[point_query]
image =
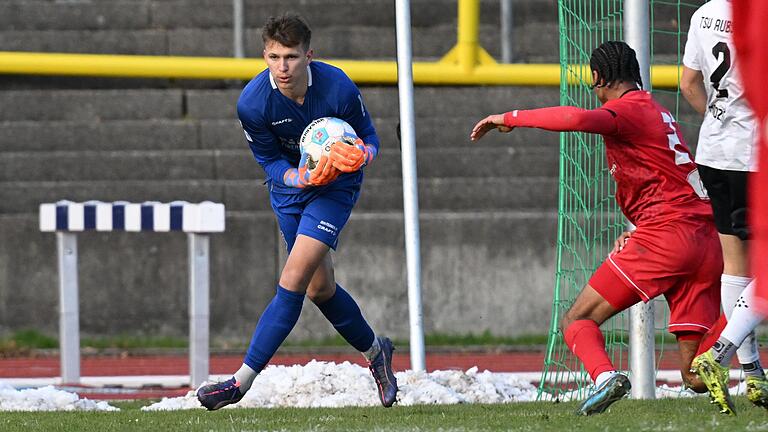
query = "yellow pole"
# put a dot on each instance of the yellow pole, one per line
(362, 72)
(469, 21)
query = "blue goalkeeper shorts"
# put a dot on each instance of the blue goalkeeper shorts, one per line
(319, 212)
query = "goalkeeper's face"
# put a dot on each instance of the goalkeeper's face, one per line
(288, 65)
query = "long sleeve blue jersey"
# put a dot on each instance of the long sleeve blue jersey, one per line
(273, 123)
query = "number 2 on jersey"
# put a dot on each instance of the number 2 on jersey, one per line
(682, 157)
(722, 68)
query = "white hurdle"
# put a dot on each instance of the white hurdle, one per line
(67, 218)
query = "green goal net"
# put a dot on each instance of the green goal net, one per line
(588, 218)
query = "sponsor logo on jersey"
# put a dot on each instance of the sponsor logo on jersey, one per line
(279, 122)
(289, 144)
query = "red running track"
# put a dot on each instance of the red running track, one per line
(38, 367)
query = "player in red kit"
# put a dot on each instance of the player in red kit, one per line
(674, 249)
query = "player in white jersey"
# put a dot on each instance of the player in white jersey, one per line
(725, 156)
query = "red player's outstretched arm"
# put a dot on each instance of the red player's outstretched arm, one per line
(564, 118)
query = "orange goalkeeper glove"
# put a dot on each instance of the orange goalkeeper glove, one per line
(302, 176)
(350, 158)
(324, 172)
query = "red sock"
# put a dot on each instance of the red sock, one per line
(586, 341)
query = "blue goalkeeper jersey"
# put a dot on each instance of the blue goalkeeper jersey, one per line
(273, 123)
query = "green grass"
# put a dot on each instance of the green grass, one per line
(132, 342)
(29, 339)
(23, 341)
(694, 415)
(437, 339)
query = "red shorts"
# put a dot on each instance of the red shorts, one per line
(682, 260)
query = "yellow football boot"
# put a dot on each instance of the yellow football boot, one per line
(757, 390)
(715, 377)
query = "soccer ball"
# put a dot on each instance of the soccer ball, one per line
(318, 136)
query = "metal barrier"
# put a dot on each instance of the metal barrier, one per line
(197, 220)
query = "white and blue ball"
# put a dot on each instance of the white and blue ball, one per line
(320, 134)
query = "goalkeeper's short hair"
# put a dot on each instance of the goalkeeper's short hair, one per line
(290, 30)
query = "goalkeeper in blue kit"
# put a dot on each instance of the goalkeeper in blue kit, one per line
(311, 206)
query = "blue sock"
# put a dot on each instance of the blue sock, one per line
(342, 311)
(275, 324)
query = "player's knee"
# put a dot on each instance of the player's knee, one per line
(566, 321)
(319, 293)
(294, 280)
(572, 315)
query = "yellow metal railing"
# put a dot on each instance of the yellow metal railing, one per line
(467, 63)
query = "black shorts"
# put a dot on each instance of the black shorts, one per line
(727, 192)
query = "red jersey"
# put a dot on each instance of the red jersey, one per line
(655, 175)
(656, 178)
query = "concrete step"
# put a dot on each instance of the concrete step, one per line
(325, 13)
(90, 105)
(431, 133)
(122, 42)
(239, 165)
(202, 14)
(534, 42)
(463, 194)
(350, 42)
(75, 15)
(449, 132)
(164, 134)
(150, 134)
(140, 104)
(446, 194)
(111, 165)
(436, 102)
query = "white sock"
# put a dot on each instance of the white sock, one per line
(731, 288)
(603, 377)
(373, 351)
(245, 376)
(744, 318)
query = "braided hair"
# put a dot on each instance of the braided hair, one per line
(615, 61)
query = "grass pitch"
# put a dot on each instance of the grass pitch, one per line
(694, 414)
